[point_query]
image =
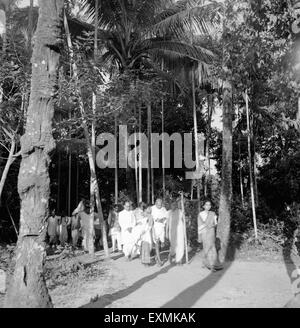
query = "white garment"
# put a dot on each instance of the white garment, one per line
(116, 239)
(126, 221)
(159, 227)
(146, 233)
(176, 234)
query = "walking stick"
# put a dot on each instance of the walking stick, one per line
(184, 227)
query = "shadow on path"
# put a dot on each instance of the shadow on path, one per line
(108, 299)
(190, 296)
(185, 299)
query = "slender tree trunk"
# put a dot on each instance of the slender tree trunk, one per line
(91, 159)
(136, 161)
(90, 241)
(27, 286)
(58, 182)
(140, 159)
(250, 165)
(163, 148)
(151, 159)
(69, 174)
(241, 174)
(255, 170)
(195, 131)
(77, 180)
(116, 160)
(12, 221)
(207, 143)
(223, 229)
(163, 141)
(8, 164)
(149, 153)
(69, 182)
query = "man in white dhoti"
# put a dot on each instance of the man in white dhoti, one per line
(127, 222)
(159, 214)
(175, 233)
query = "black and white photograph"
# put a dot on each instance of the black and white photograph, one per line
(149, 156)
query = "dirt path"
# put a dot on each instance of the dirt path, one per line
(240, 284)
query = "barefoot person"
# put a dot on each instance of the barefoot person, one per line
(87, 230)
(127, 222)
(159, 214)
(175, 233)
(114, 228)
(146, 237)
(52, 228)
(64, 221)
(75, 227)
(207, 221)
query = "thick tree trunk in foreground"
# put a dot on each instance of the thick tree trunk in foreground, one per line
(27, 287)
(223, 230)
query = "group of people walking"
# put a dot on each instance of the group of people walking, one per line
(136, 232)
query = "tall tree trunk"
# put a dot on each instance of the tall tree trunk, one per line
(77, 180)
(195, 131)
(135, 160)
(163, 143)
(91, 159)
(149, 153)
(116, 161)
(8, 164)
(69, 174)
(58, 182)
(163, 148)
(90, 241)
(255, 170)
(207, 143)
(223, 229)
(250, 165)
(241, 174)
(69, 183)
(27, 286)
(151, 159)
(140, 159)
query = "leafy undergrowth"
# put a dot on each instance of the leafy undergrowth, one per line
(66, 273)
(267, 247)
(70, 270)
(6, 253)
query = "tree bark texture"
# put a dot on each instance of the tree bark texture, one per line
(27, 286)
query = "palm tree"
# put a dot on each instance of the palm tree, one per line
(140, 35)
